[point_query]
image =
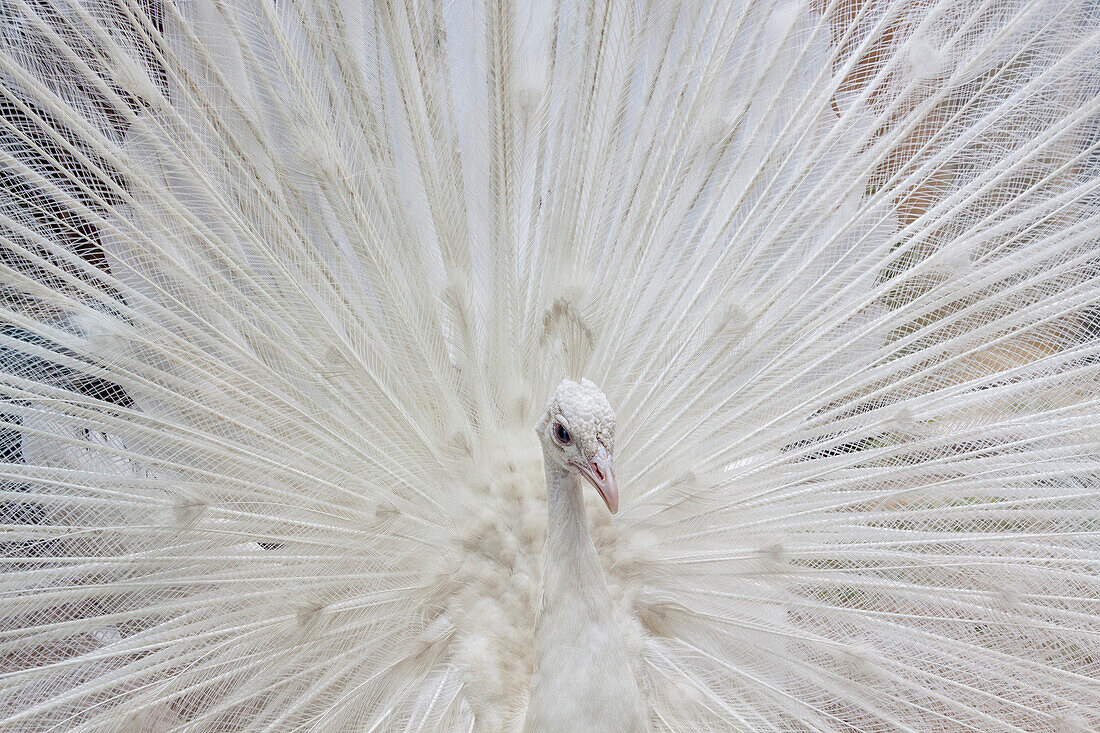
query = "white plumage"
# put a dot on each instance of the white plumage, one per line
(287, 285)
(582, 678)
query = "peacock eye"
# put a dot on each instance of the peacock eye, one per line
(562, 434)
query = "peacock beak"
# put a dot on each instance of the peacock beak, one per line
(600, 472)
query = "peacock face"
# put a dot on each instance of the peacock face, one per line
(578, 431)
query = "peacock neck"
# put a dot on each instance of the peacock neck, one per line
(582, 679)
(568, 544)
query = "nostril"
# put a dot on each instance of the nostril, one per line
(598, 471)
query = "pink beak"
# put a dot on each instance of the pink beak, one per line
(600, 472)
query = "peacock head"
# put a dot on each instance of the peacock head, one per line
(578, 431)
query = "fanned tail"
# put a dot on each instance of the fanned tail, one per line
(286, 286)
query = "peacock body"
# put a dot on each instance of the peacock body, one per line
(288, 285)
